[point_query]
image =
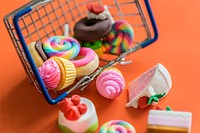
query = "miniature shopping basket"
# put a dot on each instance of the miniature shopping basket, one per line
(41, 19)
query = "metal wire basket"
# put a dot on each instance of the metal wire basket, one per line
(41, 19)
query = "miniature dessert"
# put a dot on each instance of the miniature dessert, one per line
(57, 73)
(93, 27)
(77, 115)
(97, 12)
(119, 39)
(86, 62)
(38, 46)
(96, 46)
(117, 126)
(86, 30)
(35, 54)
(61, 46)
(149, 87)
(161, 121)
(110, 83)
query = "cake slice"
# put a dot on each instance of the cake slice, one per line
(153, 84)
(162, 121)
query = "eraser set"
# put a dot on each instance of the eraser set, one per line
(61, 45)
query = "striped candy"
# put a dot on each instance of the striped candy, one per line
(61, 46)
(117, 126)
(119, 38)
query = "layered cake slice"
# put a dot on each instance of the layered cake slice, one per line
(161, 121)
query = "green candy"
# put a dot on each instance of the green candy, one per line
(93, 45)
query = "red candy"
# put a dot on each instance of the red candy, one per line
(159, 108)
(143, 102)
(72, 108)
(75, 99)
(96, 9)
(72, 113)
(64, 104)
(82, 108)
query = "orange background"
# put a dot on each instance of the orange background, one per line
(23, 110)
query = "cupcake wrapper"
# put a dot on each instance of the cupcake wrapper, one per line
(68, 73)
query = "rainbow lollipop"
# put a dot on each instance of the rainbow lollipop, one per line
(61, 46)
(119, 38)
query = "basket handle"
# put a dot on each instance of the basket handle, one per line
(155, 30)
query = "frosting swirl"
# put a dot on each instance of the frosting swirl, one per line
(110, 84)
(50, 73)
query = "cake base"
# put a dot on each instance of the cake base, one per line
(166, 129)
(91, 129)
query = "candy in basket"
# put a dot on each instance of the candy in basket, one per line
(40, 25)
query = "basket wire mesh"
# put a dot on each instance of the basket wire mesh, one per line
(41, 19)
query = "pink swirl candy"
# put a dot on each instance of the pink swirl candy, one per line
(110, 84)
(50, 73)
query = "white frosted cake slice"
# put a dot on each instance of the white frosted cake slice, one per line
(71, 121)
(161, 121)
(156, 80)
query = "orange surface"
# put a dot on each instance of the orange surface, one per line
(23, 110)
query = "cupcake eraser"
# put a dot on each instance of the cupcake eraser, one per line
(149, 87)
(110, 83)
(77, 115)
(57, 73)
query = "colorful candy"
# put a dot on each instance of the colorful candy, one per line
(119, 38)
(117, 126)
(61, 46)
(96, 46)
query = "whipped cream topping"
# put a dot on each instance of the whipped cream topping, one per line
(102, 16)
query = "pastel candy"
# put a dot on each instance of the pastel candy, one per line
(61, 46)
(110, 83)
(119, 39)
(117, 126)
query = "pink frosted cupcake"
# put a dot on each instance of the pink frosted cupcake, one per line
(50, 73)
(57, 73)
(110, 83)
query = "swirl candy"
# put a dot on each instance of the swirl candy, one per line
(119, 39)
(110, 83)
(117, 126)
(61, 46)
